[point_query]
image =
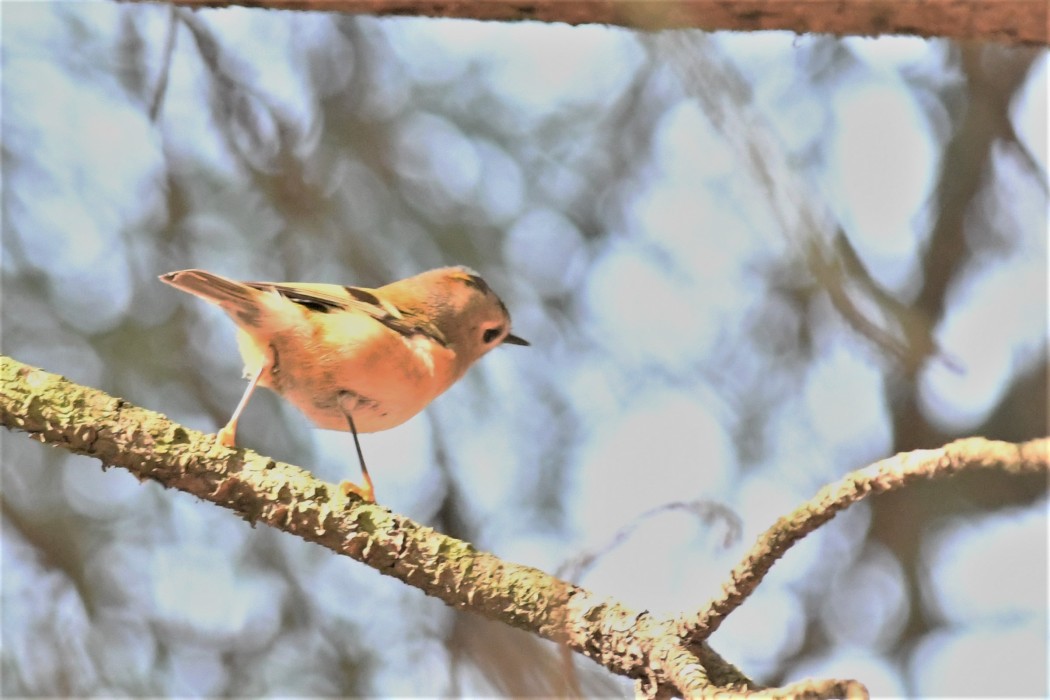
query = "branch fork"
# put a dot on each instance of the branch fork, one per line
(664, 656)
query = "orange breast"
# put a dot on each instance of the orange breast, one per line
(332, 363)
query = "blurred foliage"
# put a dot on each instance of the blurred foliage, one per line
(747, 264)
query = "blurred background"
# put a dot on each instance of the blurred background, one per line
(748, 264)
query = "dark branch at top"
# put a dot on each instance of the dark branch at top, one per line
(1011, 22)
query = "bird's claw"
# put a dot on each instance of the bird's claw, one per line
(227, 437)
(365, 492)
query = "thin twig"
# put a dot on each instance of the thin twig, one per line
(892, 474)
(164, 76)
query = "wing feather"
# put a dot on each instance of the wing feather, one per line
(325, 298)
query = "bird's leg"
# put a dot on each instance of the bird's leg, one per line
(366, 492)
(227, 436)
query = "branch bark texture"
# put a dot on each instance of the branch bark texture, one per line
(1013, 22)
(58, 412)
(663, 655)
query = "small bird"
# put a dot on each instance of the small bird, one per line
(354, 358)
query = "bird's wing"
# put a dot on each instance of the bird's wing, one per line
(326, 298)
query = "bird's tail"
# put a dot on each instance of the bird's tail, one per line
(237, 299)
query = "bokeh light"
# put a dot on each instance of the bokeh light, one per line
(729, 308)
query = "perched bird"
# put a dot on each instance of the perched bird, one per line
(354, 358)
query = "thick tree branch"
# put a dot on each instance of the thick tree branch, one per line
(1005, 21)
(663, 655)
(58, 412)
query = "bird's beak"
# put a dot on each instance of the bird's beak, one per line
(515, 340)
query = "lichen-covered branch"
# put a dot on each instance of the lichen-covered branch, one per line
(897, 472)
(1005, 21)
(665, 656)
(61, 413)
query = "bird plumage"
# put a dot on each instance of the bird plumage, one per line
(355, 358)
(384, 353)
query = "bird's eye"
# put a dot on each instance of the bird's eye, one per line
(491, 334)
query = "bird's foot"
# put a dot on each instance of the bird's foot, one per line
(365, 492)
(227, 437)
